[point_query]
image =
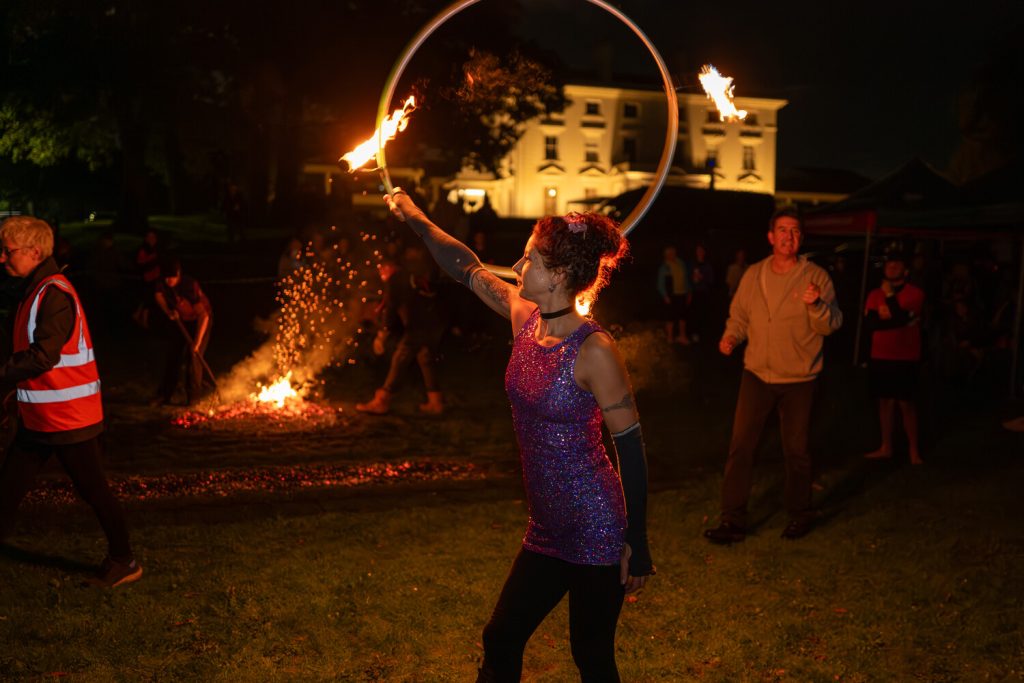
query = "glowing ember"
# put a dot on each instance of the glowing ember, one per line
(391, 126)
(719, 88)
(278, 392)
(253, 416)
(267, 480)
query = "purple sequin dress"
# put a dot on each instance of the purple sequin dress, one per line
(577, 511)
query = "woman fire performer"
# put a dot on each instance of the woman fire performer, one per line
(587, 529)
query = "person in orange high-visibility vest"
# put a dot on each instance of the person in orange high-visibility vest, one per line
(53, 371)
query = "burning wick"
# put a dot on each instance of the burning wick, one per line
(277, 393)
(719, 88)
(391, 126)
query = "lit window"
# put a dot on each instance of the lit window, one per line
(550, 201)
(629, 149)
(749, 158)
(550, 147)
(712, 158)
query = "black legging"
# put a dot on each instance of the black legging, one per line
(535, 584)
(82, 463)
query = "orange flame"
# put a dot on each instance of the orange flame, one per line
(719, 88)
(584, 302)
(277, 393)
(391, 126)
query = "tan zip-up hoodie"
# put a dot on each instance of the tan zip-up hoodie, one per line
(783, 345)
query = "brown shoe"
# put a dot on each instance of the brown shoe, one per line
(725, 533)
(112, 573)
(797, 528)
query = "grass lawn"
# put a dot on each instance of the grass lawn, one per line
(914, 574)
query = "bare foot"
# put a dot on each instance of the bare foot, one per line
(880, 454)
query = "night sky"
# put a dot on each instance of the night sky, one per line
(870, 84)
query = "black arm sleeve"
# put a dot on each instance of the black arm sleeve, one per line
(55, 323)
(629, 447)
(454, 257)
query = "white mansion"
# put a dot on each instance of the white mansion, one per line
(609, 140)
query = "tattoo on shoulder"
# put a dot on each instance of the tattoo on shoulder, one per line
(625, 403)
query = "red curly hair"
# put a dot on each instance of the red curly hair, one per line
(587, 247)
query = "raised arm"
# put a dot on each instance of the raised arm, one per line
(454, 257)
(601, 370)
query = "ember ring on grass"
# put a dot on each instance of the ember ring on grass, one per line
(671, 134)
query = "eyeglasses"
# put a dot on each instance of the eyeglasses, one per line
(7, 252)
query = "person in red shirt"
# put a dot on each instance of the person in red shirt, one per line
(893, 314)
(182, 299)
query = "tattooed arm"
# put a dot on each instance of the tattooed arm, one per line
(601, 370)
(499, 295)
(454, 257)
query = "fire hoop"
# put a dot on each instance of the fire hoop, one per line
(671, 134)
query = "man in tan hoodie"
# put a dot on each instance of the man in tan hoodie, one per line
(783, 309)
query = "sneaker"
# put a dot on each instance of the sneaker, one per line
(726, 533)
(113, 573)
(797, 528)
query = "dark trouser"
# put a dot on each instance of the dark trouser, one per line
(82, 463)
(178, 353)
(407, 349)
(535, 584)
(756, 401)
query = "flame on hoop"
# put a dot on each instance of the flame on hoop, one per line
(391, 126)
(584, 302)
(719, 88)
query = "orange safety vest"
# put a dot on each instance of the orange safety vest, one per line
(67, 396)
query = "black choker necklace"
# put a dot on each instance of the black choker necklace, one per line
(557, 314)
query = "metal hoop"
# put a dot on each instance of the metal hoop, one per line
(671, 134)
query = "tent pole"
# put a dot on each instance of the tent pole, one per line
(863, 287)
(1016, 324)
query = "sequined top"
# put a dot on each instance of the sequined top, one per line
(577, 511)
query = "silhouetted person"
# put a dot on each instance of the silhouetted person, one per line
(147, 260)
(674, 290)
(183, 301)
(412, 305)
(735, 271)
(235, 213)
(702, 282)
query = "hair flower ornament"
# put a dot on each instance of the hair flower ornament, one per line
(576, 223)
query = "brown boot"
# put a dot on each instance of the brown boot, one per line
(434, 404)
(380, 404)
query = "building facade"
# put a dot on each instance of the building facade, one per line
(609, 140)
